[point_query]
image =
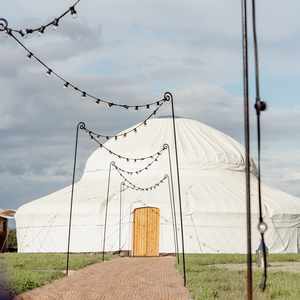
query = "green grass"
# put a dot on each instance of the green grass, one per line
(206, 281)
(27, 271)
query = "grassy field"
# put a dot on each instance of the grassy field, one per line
(206, 281)
(23, 272)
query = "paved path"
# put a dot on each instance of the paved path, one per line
(121, 278)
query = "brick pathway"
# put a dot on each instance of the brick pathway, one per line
(121, 278)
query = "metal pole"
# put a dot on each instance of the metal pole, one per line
(247, 148)
(166, 146)
(80, 125)
(120, 220)
(169, 97)
(106, 208)
(172, 212)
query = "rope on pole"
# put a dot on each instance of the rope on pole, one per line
(259, 106)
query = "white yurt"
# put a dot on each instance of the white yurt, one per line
(212, 179)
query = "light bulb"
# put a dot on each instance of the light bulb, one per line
(42, 30)
(262, 227)
(55, 23)
(73, 12)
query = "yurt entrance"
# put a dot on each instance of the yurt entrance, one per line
(146, 222)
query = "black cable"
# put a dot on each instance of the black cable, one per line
(125, 134)
(41, 29)
(138, 171)
(259, 107)
(67, 84)
(135, 159)
(134, 186)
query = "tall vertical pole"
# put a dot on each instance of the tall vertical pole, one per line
(247, 148)
(173, 221)
(166, 146)
(106, 209)
(80, 125)
(120, 219)
(168, 96)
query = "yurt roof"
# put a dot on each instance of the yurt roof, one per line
(211, 165)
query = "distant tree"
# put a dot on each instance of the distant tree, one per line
(12, 240)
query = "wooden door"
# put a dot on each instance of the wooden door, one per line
(146, 222)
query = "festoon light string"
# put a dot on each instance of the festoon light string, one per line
(125, 134)
(260, 106)
(128, 159)
(42, 29)
(136, 187)
(155, 159)
(68, 84)
(138, 171)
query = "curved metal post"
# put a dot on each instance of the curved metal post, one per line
(173, 221)
(120, 219)
(80, 125)
(247, 147)
(168, 96)
(106, 209)
(166, 146)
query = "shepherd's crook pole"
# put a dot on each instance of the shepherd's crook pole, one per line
(80, 125)
(106, 208)
(166, 146)
(168, 96)
(120, 219)
(247, 148)
(172, 212)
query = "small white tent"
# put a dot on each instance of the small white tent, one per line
(213, 197)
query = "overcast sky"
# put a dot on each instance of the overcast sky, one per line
(134, 51)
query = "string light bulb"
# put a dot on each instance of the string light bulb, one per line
(83, 95)
(66, 85)
(42, 30)
(56, 23)
(73, 12)
(49, 72)
(29, 55)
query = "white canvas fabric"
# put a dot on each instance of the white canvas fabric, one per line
(213, 197)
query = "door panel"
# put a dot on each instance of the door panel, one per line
(146, 222)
